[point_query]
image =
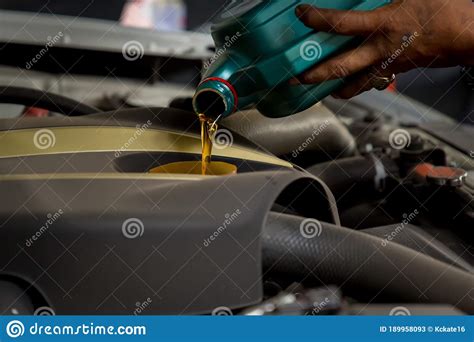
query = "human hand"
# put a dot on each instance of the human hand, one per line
(404, 35)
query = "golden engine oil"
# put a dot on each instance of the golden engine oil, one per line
(208, 128)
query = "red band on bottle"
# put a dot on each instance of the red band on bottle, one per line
(230, 86)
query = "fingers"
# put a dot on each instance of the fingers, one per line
(343, 65)
(342, 22)
(361, 82)
(357, 85)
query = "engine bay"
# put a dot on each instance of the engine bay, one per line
(88, 230)
(352, 207)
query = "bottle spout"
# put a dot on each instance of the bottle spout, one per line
(215, 97)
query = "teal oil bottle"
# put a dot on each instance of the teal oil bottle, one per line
(260, 46)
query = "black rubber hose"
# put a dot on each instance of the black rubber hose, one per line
(348, 176)
(45, 100)
(417, 239)
(14, 300)
(363, 265)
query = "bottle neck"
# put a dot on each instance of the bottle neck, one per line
(215, 97)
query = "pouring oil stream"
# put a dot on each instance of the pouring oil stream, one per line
(208, 129)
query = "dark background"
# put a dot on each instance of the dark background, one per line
(448, 90)
(199, 11)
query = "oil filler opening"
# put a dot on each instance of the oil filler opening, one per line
(210, 103)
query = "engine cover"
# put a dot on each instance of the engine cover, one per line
(88, 228)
